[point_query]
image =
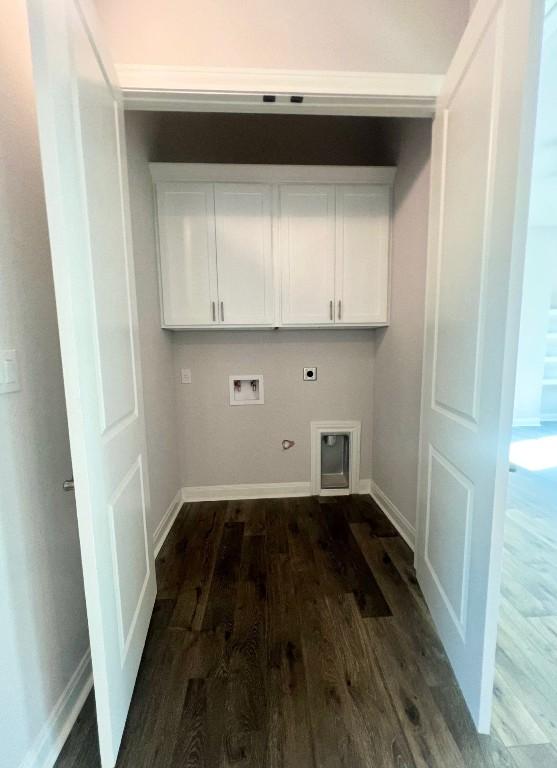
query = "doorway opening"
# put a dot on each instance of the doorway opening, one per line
(339, 549)
(525, 702)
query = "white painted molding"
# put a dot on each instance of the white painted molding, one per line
(52, 736)
(527, 422)
(228, 89)
(275, 81)
(365, 487)
(272, 174)
(254, 491)
(406, 529)
(163, 528)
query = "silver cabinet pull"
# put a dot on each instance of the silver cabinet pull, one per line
(330, 310)
(213, 311)
(68, 485)
(222, 311)
(339, 309)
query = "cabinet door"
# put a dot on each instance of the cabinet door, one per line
(188, 267)
(244, 254)
(307, 245)
(362, 253)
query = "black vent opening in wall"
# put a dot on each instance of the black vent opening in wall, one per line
(335, 461)
(269, 98)
(297, 99)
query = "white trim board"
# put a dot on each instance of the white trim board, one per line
(44, 752)
(406, 529)
(254, 491)
(527, 422)
(167, 521)
(272, 174)
(229, 89)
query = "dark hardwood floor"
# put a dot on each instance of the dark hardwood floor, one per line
(292, 634)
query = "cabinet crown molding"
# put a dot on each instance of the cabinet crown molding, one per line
(272, 174)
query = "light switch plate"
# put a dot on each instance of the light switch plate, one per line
(186, 376)
(9, 372)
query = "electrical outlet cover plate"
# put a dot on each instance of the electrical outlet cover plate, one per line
(9, 372)
(310, 374)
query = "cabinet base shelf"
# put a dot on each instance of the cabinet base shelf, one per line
(337, 327)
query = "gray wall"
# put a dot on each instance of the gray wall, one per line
(398, 356)
(155, 344)
(221, 444)
(42, 608)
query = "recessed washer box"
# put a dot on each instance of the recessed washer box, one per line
(246, 389)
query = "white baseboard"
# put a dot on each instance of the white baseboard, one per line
(167, 521)
(406, 529)
(526, 422)
(254, 491)
(365, 487)
(52, 737)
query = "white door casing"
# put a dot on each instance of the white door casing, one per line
(188, 259)
(481, 156)
(243, 222)
(307, 248)
(362, 254)
(83, 157)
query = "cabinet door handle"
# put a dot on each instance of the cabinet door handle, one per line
(339, 309)
(222, 311)
(330, 310)
(213, 311)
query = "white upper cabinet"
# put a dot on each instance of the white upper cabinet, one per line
(307, 253)
(188, 263)
(267, 246)
(362, 254)
(244, 254)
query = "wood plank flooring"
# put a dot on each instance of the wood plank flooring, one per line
(292, 634)
(525, 707)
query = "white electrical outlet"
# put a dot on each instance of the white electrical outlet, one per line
(186, 376)
(310, 374)
(9, 372)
